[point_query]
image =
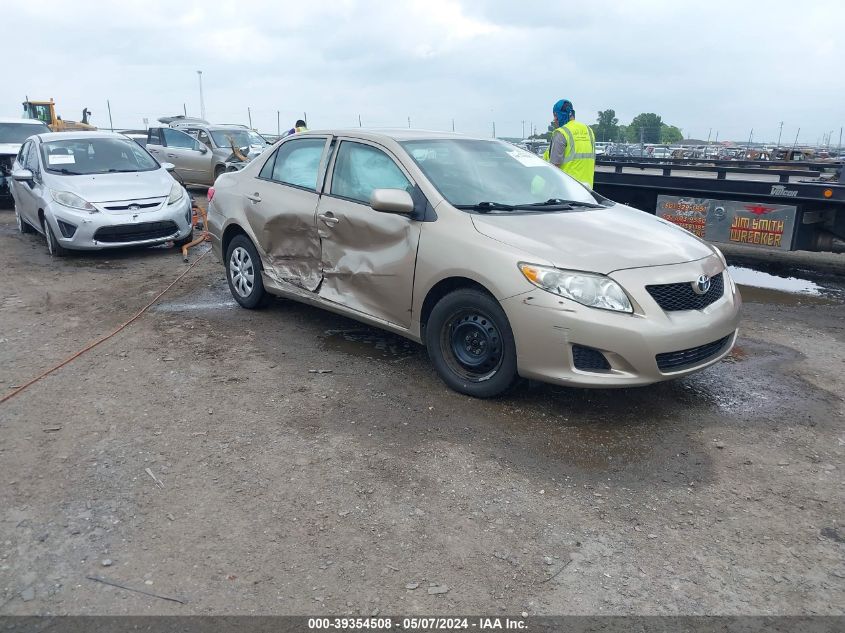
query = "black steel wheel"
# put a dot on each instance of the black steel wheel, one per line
(471, 344)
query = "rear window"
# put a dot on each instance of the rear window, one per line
(18, 132)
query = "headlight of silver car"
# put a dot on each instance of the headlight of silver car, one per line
(176, 193)
(68, 199)
(589, 289)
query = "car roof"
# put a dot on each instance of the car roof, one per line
(19, 120)
(65, 136)
(395, 134)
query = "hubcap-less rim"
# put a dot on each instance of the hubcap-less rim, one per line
(472, 345)
(242, 272)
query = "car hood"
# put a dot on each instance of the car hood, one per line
(111, 187)
(9, 149)
(596, 240)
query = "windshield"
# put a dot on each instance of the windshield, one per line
(468, 172)
(95, 156)
(242, 138)
(17, 133)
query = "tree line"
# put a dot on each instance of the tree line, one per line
(646, 127)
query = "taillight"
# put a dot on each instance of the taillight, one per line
(210, 193)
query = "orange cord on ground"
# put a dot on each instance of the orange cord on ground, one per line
(91, 346)
(204, 236)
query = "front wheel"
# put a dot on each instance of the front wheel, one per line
(243, 272)
(471, 345)
(53, 247)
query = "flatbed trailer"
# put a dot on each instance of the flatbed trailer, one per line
(796, 205)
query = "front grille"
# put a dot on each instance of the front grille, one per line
(589, 359)
(125, 206)
(680, 296)
(136, 232)
(675, 361)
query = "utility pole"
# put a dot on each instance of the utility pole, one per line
(409, 123)
(494, 129)
(305, 118)
(453, 125)
(108, 105)
(249, 116)
(359, 121)
(748, 145)
(523, 130)
(796, 138)
(202, 99)
(840, 141)
(780, 131)
(185, 109)
(642, 140)
(278, 124)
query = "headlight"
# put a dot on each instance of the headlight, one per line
(68, 199)
(595, 291)
(176, 193)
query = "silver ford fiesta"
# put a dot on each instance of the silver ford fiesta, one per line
(95, 190)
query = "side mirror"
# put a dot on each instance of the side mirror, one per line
(392, 201)
(202, 149)
(168, 166)
(22, 175)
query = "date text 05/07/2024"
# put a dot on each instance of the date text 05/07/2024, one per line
(419, 623)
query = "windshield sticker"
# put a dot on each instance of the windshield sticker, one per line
(61, 159)
(527, 158)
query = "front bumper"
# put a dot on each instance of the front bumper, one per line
(87, 225)
(546, 327)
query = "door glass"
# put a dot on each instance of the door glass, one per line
(361, 168)
(297, 162)
(154, 136)
(176, 138)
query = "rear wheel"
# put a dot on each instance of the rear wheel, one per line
(23, 227)
(243, 272)
(55, 249)
(470, 343)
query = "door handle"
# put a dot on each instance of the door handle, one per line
(152, 151)
(253, 198)
(171, 155)
(328, 218)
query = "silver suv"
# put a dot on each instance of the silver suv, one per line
(202, 151)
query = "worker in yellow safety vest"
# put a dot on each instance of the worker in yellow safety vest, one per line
(573, 144)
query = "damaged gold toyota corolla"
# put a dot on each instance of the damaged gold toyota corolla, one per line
(502, 265)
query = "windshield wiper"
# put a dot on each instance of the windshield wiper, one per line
(120, 171)
(67, 172)
(559, 202)
(486, 207)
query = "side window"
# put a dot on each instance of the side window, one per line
(267, 169)
(31, 159)
(359, 169)
(177, 138)
(23, 152)
(297, 162)
(154, 136)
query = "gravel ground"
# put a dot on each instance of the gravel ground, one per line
(197, 455)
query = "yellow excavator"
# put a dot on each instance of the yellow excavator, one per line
(46, 111)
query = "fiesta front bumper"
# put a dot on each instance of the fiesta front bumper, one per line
(80, 230)
(549, 331)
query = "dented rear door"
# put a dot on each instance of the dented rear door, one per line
(280, 206)
(368, 257)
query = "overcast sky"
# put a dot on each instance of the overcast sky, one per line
(730, 66)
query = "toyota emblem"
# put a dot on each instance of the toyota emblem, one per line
(701, 285)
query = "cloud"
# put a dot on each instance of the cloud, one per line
(727, 66)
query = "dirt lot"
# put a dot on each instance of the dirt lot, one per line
(373, 488)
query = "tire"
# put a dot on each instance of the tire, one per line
(471, 345)
(53, 247)
(23, 226)
(243, 272)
